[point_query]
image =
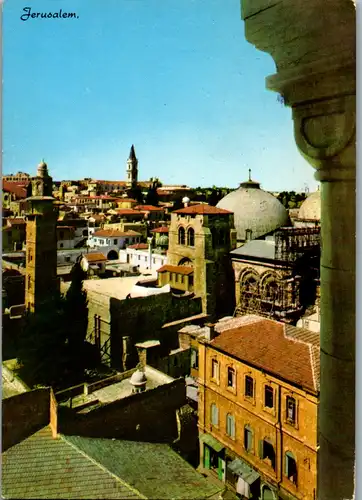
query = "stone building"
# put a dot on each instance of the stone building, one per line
(309, 214)
(258, 407)
(41, 240)
(200, 238)
(278, 276)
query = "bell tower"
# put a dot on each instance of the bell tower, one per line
(41, 240)
(132, 169)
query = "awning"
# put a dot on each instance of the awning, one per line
(212, 442)
(243, 470)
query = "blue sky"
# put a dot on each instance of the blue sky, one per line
(176, 78)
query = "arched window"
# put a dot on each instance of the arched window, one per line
(214, 414)
(290, 467)
(181, 236)
(230, 426)
(191, 237)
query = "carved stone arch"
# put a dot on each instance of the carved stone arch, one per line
(243, 273)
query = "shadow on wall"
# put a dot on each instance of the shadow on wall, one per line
(23, 415)
(142, 319)
(147, 416)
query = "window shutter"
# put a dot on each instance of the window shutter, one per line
(261, 448)
(216, 415)
(286, 465)
(206, 457)
(233, 427)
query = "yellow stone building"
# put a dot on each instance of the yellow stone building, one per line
(200, 239)
(258, 406)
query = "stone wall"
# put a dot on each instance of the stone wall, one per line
(23, 415)
(146, 416)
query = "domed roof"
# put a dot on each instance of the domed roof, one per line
(163, 240)
(138, 378)
(255, 210)
(310, 209)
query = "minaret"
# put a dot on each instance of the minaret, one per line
(41, 241)
(132, 169)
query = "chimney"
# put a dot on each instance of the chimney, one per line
(210, 332)
(53, 415)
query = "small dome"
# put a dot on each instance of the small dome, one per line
(138, 378)
(42, 170)
(256, 212)
(185, 199)
(311, 207)
(163, 240)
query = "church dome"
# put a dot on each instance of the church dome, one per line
(138, 378)
(310, 209)
(256, 212)
(163, 240)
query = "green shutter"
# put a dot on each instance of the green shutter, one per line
(220, 469)
(206, 457)
(261, 449)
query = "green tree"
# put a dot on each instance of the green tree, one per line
(42, 348)
(152, 197)
(76, 313)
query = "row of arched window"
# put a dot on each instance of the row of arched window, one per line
(186, 238)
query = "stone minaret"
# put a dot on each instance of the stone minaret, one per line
(132, 169)
(41, 241)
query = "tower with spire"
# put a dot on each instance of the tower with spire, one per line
(132, 169)
(41, 240)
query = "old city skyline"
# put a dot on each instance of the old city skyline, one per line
(177, 93)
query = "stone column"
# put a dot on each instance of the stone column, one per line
(313, 46)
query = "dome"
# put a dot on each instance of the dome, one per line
(254, 210)
(310, 209)
(163, 240)
(185, 199)
(42, 170)
(138, 378)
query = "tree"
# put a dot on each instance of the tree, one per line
(42, 344)
(76, 313)
(152, 197)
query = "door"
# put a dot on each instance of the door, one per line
(221, 470)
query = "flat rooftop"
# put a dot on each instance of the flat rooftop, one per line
(117, 288)
(120, 390)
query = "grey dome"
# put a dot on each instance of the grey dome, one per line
(138, 378)
(310, 209)
(163, 240)
(255, 210)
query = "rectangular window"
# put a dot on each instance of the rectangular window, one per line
(115, 242)
(231, 377)
(215, 369)
(214, 414)
(266, 452)
(248, 438)
(290, 467)
(182, 278)
(194, 359)
(191, 280)
(268, 396)
(230, 426)
(249, 386)
(291, 410)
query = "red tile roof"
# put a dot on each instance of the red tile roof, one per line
(176, 269)
(149, 208)
(95, 257)
(202, 209)
(126, 211)
(276, 348)
(139, 246)
(13, 187)
(128, 200)
(162, 229)
(15, 220)
(114, 233)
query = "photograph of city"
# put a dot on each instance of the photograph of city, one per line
(178, 249)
